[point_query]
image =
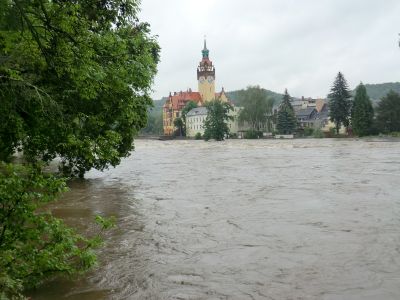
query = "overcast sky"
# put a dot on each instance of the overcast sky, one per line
(295, 44)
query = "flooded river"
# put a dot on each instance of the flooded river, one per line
(263, 219)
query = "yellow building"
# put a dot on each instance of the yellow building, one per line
(206, 85)
(206, 76)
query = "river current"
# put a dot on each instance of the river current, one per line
(242, 219)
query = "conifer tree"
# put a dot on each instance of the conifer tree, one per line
(340, 102)
(286, 121)
(362, 113)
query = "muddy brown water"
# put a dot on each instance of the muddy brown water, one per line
(267, 219)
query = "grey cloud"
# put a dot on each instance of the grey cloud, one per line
(299, 45)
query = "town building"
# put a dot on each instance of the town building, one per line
(195, 121)
(196, 117)
(314, 113)
(306, 117)
(206, 92)
(309, 112)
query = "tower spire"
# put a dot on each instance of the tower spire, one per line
(205, 51)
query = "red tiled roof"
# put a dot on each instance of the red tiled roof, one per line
(179, 100)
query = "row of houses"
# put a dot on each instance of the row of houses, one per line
(310, 113)
(313, 113)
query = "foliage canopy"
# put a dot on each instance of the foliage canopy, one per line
(257, 108)
(216, 124)
(75, 78)
(34, 245)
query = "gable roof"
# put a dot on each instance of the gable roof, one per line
(179, 100)
(305, 112)
(198, 111)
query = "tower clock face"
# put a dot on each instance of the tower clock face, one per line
(210, 79)
(202, 79)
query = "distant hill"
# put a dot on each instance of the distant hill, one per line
(158, 104)
(377, 91)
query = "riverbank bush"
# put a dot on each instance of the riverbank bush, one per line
(233, 135)
(252, 134)
(34, 245)
(395, 134)
(308, 131)
(318, 133)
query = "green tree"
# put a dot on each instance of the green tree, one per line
(216, 124)
(362, 114)
(257, 108)
(34, 245)
(188, 107)
(75, 78)
(340, 103)
(178, 123)
(286, 119)
(388, 113)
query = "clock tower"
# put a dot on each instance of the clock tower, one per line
(206, 76)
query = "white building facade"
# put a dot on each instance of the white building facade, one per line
(195, 121)
(196, 118)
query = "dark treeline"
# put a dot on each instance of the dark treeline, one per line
(357, 113)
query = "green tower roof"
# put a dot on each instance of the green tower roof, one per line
(205, 51)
